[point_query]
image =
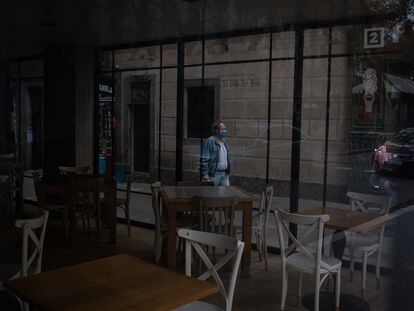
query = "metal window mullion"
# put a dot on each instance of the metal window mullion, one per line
(203, 102)
(296, 125)
(327, 118)
(160, 114)
(180, 112)
(269, 106)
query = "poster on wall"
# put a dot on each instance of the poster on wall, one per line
(367, 93)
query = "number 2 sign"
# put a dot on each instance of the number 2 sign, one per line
(374, 38)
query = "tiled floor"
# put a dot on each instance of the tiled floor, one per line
(260, 291)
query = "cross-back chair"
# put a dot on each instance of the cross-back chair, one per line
(363, 246)
(234, 248)
(124, 203)
(86, 203)
(298, 256)
(216, 214)
(57, 202)
(33, 236)
(161, 227)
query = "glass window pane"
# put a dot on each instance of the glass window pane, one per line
(168, 122)
(281, 131)
(31, 69)
(169, 55)
(237, 48)
(243, 107)
(283, 44)
(312, 144)
(138, 57)
(193, 53)
(105, 60)
(316, 41)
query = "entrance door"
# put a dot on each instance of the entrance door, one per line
(140, 121)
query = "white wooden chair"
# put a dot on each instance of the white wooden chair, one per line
(161, 227)
(363, 246)
(124, 203)
(197, 240)
(260, 223)
(31, 260)
(298, 257)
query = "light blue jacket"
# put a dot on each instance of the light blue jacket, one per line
(210, 156)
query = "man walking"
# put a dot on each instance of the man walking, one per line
(215, 160)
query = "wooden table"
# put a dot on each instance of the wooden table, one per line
(345, 219)
(109, 212)
(119, 282)
(178, 199)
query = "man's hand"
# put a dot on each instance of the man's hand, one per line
(205, 178)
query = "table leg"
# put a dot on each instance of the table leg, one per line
(338, 243)
(247, 239)
(171, 237)
(109, 214)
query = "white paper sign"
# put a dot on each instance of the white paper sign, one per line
(374, 38)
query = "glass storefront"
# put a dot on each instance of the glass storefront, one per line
(350, 96)
(26, 112)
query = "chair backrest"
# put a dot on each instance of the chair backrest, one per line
(15, 179)
(185, 183)
(9, 156)
(34, 259)
(216, 214)
(314, 224)
(365, 202)
(73, 170)
(234, 248)
(86, 193)
(37, 178)
(129, 178)
(265, 205)
(156, 196)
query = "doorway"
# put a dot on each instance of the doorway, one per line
(140, 124)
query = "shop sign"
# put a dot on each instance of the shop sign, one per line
(239, 83)
(374, 38)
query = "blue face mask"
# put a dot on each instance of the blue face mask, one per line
(223, 133)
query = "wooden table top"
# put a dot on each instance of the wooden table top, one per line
(345, 219)
(119, 282)
(184, 193)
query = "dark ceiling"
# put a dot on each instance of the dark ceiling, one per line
(27, 26)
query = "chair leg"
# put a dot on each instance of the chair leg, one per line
(378, 268)
(73, 228)
(299, 288)
(265, 251)
(284, 288)
(65, 221)
(154, 246)
(128, 220)
(351, 265)
(259, 246)
(159, 248)
(337, 289)
(98, 224)
(317, 290)
(364, 273)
